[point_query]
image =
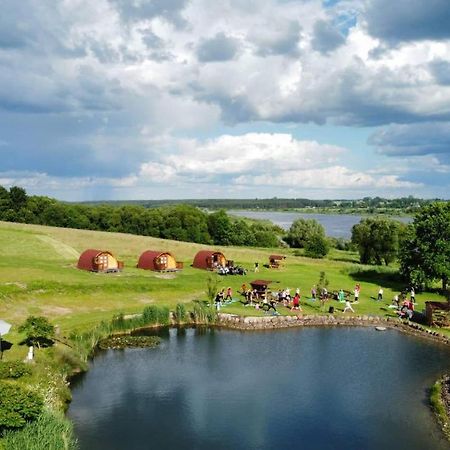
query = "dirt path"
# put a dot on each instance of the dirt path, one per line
(64, 250)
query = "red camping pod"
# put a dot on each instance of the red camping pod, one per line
(158, 261)
(99, 261)
(209, 260)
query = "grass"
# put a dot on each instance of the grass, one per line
(38, 277)
(438, 407)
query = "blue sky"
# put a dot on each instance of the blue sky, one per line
(158, 99)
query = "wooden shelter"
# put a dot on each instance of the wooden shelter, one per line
(99, 261)
(275, 261)
(260, 286)
(158, 261)
(209, 260)
(437, 314)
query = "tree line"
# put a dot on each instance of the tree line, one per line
(180, 222)
(405, 204)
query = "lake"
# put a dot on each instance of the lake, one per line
(313, 388)
(336, 225)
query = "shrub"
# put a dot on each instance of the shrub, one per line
(49, 431)
(17, 406)
(14, 369)
(316, 247)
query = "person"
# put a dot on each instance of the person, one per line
(313, 292)
(348, 306)
(357, 290)
(341, 296)
(395, 301)
(229, 294)
(243, 288)
(287, 292)
(256, 267)
(413, 295)
(297, 291)
(380, 294)
(296, 302)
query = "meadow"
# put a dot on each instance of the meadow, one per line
(38, 276)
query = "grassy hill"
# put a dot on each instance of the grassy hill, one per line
(38, 276)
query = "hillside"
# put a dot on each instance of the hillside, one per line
(38, 276)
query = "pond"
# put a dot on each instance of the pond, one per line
(336, 225)
(313, 388)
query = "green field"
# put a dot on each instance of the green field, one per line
(38, 276)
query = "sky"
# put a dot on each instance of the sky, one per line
(172, 99)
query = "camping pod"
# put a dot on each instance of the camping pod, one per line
(209, 260)
(158, 261)
(260, 286)
(99, 261)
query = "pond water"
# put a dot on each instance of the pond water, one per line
(314, 388)
(336, 225)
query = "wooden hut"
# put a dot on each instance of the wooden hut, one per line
(438, 314)
(275, 261)
(158, 261)
(260, 286)
(99, 261)
(209, 260)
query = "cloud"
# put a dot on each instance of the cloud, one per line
(408, 20)
(414, 140)
(218, 48)
(282, 39)
(440, 69)
(140, 10)
(326, 38)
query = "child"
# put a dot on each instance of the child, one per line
(348, 306)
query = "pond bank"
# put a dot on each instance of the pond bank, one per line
(277, 322)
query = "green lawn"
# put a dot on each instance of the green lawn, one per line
(38, 276)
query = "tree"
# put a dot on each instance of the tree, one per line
(302, 230)
(18, 197)
(38, 330)
(425, 254)
(377, 240)
(220, 227)
(317, 246)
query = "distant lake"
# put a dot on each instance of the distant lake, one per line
(336, 225)
(312, 389)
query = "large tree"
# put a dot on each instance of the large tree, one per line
(302, 230)
(377, 240)
(425, 254)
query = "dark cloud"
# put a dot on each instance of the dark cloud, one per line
(408, 20)
(413, 140)
(138, 10)
(326, 37)
(440, 69)
(219, 48)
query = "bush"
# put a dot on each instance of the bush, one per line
(14, 369)
(316, 247)
(17, 406)
(49, 432)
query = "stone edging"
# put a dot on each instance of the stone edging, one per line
(277, 322)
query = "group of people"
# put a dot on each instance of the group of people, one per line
(404, 306)
(221, 297)
(231, 270)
